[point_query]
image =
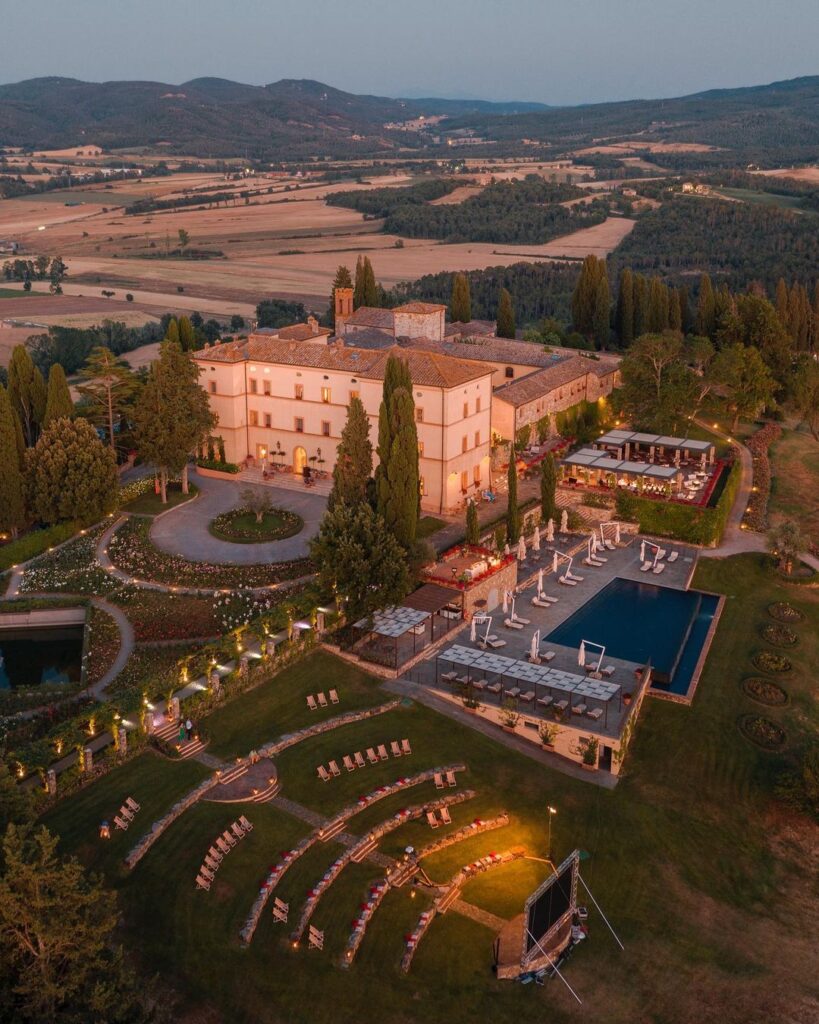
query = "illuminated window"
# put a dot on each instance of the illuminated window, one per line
(422, 486)
(354, 394)
(464, 481)
(325, 394)
(254, 386)
(298, 425)
(298, 391)
(476, 474)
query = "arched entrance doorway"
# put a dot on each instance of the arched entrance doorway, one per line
(299, 460)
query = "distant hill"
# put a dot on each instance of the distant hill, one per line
(216, 117)
(299, 118)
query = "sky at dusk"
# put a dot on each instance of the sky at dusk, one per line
(553, 52)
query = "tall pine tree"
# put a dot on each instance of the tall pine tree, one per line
(506, 315)
(354, 458)
(58, 398)
(460, 305)
(12, 502)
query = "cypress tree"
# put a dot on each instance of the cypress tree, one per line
(473, 527)
(657, 306)
(585, 294)
(548, 486)
(371, 291)
(460, 304)
(27, 392)
(512, 510)
(172, 331)
(640, 305)
(675, 320)
(602, 309)
(12, 502)
(706, 308)
(396, 477)
(358, 287)
(187, 337)
(782, 305)
(624, 317)
(506, 316)
(341, 280)
(58, 399)
(354, 459)
(685, 309)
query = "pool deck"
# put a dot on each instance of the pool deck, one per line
(623, 563)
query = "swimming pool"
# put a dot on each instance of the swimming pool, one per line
(30, 656)
(644, 623)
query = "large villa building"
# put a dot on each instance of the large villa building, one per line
(282, 394)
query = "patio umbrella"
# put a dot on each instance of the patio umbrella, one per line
(550, 531)
(539, 582)
(533, 650)
(536, 539)
(505, 601)
(702, 461)
(564, 521)
(554, 562)
(521, 549)
(506, 548)
(642, 551)
(581, 653)
(473, 630)
(617, 533)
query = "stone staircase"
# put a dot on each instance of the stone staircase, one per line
(169, 733)
(287, 481)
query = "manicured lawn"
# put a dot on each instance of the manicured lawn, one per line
(150, 504)
(241, 527)
(795, 489)
(427, 525)
(699, 872)
(279, 705)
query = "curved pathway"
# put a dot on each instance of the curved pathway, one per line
(184, 530)
(126, 646)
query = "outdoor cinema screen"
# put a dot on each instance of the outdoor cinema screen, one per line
(549, 905)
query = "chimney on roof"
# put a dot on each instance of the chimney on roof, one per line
(313, 324)
(343, 307)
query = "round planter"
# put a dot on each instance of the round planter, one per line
(764, 691)
(784, 612)
(762, 732)
(779, 635)
(767, 661)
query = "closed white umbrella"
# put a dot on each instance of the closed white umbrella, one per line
(473, 630)
(521, 549)
(539, 582)
(505, 601)
(581, 653)
(554, 562)
(533, 650)
(506, 549)
(617, 533)
(642, 551)
(564, 521)
(536, 539)
(550, 531)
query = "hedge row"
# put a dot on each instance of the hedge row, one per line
(692, 524)
(35, 543)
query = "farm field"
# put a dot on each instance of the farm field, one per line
(700, 891)
(794, 493)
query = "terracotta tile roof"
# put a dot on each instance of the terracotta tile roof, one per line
(303, 332)
(471, 329)
(370, 316)
(541, 382)
(426, 368)
(369, 337)
(419, 307)
(486, 349)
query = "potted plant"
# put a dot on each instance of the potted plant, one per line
(590, 754)
(509, 716)
(548, 733)
(468, 699)
(627, 699)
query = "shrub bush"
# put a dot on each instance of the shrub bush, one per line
(784, 612)
(767, 661)
(762, 731)
(779, 635)
(35, 543)
(222, 467)
(764, 691)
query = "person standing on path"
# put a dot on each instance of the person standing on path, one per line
(189, 728)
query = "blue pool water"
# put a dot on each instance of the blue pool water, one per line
(640, 622)
(32, 656)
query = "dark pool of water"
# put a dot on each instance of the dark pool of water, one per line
(643, 623)
(29, 657)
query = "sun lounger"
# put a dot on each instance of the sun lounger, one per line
(246, 825)
(125, 813)
(446, 818)
(205, 873)
(673, 556)
(334, 697)
(322, 700)
(372, 757)
(212, 864)
(214, 854)
(594, 714)
(561, 705)
(577, 579)
(645, 566)
(120, 823)
(513, 692)
(608, 671)
(610, 545)
(539, 602)
(662, 553)
(479, 685)
(439, 780)
(579, 709)
(311, 702)
(405, 747)
(566, 581)
(592, 563)
(548, 655)
(237, 829)
(494, 688)
(229, 838)
(449, 676)
(544, 702)
(528, 697)
(451, 780)
(432, 821)
(382, 752)
(358, 757)
(323, 774)
(348, 763)
(202, 883)
(395, 749)
(512, 624)
(223, 846)
(522, 621)
(334, 768)
(496, 643)
(658, 568)
(132, 804)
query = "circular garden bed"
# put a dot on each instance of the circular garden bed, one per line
(767, 661)
(779, 635)
(764, 691)
(240, 527)
(784, 612)
(762, 732)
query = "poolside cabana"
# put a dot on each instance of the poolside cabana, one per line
(393, 636)
(656, 448)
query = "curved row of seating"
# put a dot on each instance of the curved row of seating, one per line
(292, 738)
(376, 893)
(135, 855)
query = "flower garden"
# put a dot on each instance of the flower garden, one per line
(239, 525)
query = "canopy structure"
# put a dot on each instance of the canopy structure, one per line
(597, 468)
(628, 444)
(394, 636)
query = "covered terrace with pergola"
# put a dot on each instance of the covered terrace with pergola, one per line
(657, 449)
(593, 468)
(546, 690)
(394, 636)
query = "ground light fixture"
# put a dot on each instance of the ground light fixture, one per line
(552, 812)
